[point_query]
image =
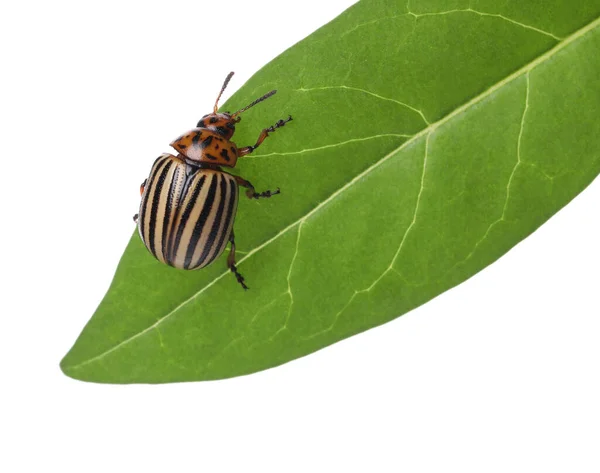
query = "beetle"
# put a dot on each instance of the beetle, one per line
(189, 202)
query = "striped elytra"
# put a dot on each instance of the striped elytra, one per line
(187, 212)
(188, 202)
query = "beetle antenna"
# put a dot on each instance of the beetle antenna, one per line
(227, 79)
(264, 97)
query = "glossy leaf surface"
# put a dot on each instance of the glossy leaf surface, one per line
(428, 139)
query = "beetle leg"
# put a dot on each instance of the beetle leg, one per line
(250, 192)
(263, 134)
(142, 186)
(231, 262)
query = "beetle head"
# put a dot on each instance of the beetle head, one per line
(224, 123)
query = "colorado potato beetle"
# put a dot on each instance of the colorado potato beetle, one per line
(188, 202)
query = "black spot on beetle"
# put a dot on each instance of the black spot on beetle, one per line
(213, 119)
(210, 156)
(222, 130)
(225, 155)
(232, 149)
(231, 126)
(196, 138)
(183, 146)
(201, 124)
(206, 142)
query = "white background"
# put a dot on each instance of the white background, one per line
(499, 374)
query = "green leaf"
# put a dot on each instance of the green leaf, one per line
(428, 139)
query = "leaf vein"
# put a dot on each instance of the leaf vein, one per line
(510, 180)
(334, 145)
(396, 254)
(357, 89)
(492, 15)
(289, 284)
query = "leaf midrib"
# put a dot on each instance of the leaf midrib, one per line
(429, 129)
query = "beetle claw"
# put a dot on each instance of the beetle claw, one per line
(238, 276)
